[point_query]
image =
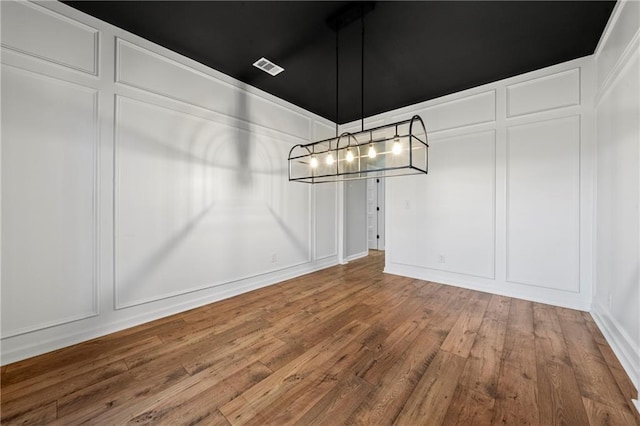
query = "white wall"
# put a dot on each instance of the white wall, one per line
(355, 222)
(616, 301)
(507, 204)
(137, 183)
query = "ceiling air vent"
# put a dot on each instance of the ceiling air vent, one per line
(267, 66)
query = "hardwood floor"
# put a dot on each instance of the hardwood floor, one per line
(346, 345)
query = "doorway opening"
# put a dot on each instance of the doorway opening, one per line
(375, 214)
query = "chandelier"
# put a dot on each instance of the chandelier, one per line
(396, 149)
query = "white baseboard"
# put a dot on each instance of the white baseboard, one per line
(22, 347)
(355, 256)
(627, 352)
(487, 285)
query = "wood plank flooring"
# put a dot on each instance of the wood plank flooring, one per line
(346, 345)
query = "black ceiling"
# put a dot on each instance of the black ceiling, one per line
(414, 51)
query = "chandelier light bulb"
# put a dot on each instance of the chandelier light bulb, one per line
(314, 162)
(372, 151)
(349, 156)
(330, 159)
(396, 148)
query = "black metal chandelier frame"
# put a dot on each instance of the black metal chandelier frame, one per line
(361, 165)
(402, 147)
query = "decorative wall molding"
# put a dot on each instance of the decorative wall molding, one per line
(617, 59)
(22, 39)
(620, 68)
(457, 113)
(434, 141)
(510, 277)
(120, 304)
(281, 126)
(569, 106)
(523, 99)
(33, 347)
(94, 196)
(138, 60)
(618, 36)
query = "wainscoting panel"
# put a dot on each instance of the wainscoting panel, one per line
(49, 144)
(505, 207)
(617, 41)
(616, 301)
(544, 93)
(453, 217)
(144, 69)
(138, 183)
(543, 204)
(469, 110)
(199, 204)
(49, 36)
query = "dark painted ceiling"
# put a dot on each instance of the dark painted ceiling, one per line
(414, 51)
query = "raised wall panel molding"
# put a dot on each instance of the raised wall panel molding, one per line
(622, 28)
(152, 72)
(466, 111)
(58, 39)
(49, 163)
(198, 112)
(622, 64)
(456, 201)
(546, 93)
(543, 204)
(199, 185)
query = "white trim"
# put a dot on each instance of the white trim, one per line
(44, 59)
(340, 228)
(577, 190)
(108, 92)
(356, 256)
(116, 32)
(510, 87)
(120, 43)
(618, 69)
(95, 241)
(613, 18)
(518, 291)
(621, 344)
(61, 341)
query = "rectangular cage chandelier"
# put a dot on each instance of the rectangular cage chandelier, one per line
(396, 149)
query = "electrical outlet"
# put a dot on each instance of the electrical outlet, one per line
(274, 258)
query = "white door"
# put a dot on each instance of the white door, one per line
(375, 213)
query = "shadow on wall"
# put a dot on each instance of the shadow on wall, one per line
(215, 181)
(242, 140)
